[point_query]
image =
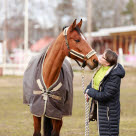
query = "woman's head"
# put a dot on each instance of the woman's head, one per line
(108, 58)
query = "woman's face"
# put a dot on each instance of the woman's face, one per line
(102, 60)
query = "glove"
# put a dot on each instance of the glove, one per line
(87, 97)
(86, 91)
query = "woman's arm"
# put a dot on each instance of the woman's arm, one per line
(110, 89)
(88, 87)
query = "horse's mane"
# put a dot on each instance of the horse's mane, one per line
(76, 28)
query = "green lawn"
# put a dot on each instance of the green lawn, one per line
(16, 120)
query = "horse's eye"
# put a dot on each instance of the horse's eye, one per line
(77, 40)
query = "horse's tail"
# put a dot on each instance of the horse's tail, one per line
(47, 126)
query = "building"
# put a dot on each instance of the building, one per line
(42, 43)
(115, 38)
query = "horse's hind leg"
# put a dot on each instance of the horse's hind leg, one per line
(37, 126)
(57, 124)
(47, 127)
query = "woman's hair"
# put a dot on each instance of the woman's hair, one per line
(111, 57)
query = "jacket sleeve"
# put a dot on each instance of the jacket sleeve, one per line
(110, 89)
(88, 87)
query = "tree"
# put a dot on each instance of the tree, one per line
(131, 11)
(107, 13)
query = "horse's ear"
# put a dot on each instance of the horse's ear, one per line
(80, 24)
(73, 25)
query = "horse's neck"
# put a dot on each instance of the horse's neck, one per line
(53, 62)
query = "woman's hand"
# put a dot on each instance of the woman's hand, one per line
(87, 97)
(86, 91)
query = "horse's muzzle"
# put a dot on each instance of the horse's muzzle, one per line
(95, 64)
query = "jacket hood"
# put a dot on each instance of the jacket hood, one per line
(118, 70)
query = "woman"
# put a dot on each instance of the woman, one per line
(105, 89)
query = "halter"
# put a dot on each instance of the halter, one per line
(77, 54)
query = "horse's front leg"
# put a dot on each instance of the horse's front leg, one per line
(57, 124)
(37, 126)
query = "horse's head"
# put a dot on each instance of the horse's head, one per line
(78, 48)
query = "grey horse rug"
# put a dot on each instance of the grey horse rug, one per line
(55, 102)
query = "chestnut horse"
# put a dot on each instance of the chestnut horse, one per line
(70, 43)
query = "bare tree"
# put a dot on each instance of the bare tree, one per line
(131, 11)
(64, 10)
(108, 13)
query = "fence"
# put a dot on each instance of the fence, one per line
(19, 68)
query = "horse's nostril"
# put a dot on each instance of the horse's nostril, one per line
(95, 61)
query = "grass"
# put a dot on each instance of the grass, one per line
(16, 119)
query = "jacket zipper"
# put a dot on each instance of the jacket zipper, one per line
(108, 120)
(108, 113)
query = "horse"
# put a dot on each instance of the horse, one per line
(73, 44)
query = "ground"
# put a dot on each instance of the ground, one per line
(16, 119)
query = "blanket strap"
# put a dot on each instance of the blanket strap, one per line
(44, 94)
(40, 85)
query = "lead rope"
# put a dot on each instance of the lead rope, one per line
(86, 106)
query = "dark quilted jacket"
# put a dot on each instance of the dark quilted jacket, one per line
(108, 97)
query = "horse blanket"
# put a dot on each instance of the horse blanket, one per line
(54, 102)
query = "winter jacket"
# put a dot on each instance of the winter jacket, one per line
(108, 101)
